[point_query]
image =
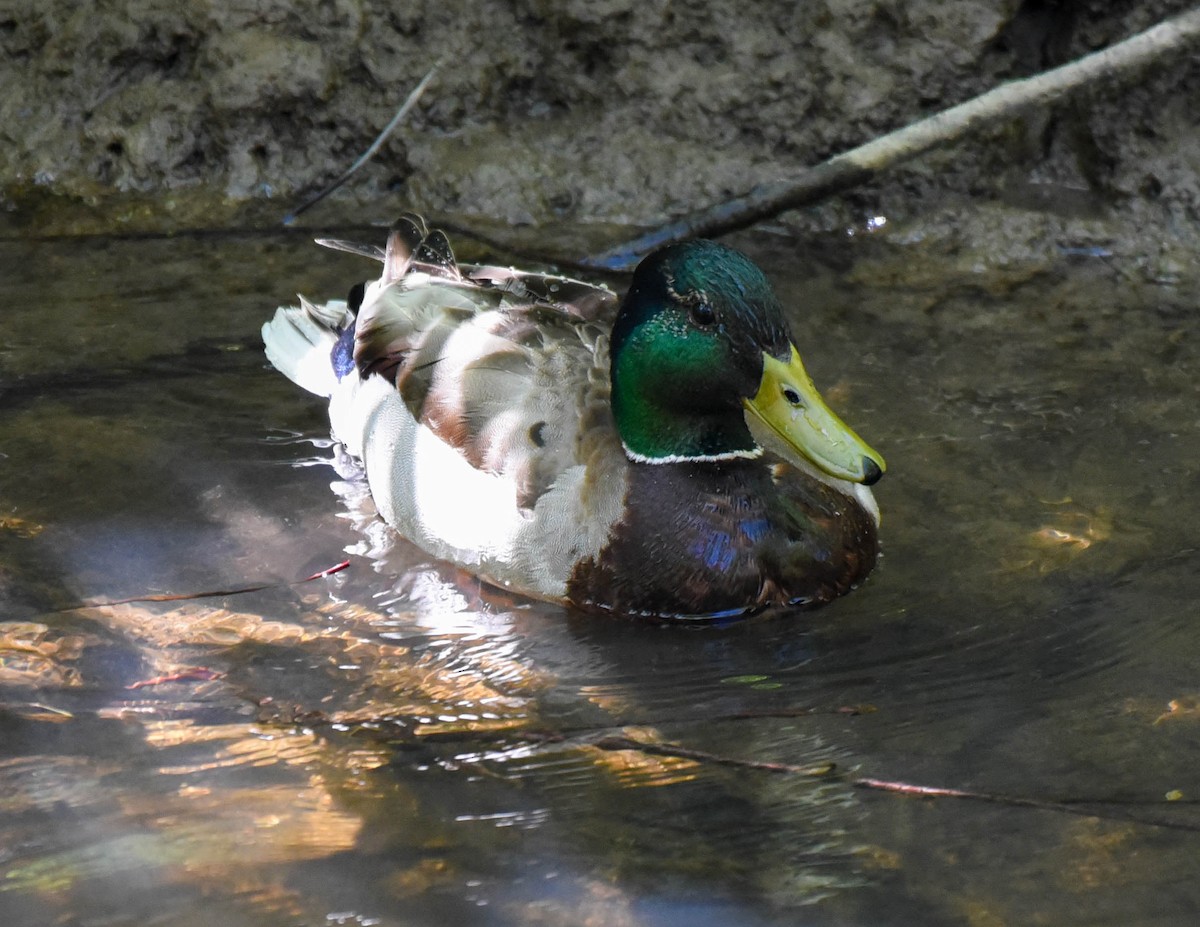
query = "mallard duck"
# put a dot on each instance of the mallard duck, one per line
(664, 455)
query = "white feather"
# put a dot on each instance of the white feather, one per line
(299, 340)
(432, 495)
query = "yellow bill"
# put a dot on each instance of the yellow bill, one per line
(789, 415)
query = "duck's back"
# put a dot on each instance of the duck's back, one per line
(516, 388)
(477, 400)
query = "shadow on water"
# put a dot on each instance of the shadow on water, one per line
(396, 744)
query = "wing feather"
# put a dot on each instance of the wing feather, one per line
(509, 368)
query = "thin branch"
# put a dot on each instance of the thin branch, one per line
(862, 164)
(367, 155)
(596, 736)
(700, 756)
(1081, 807)
(206, 594)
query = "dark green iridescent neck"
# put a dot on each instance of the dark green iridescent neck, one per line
(657, 423)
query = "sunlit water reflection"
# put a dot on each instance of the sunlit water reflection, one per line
(396, 744)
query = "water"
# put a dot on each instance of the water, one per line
(396, 745)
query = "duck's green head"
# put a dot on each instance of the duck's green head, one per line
(703, 368)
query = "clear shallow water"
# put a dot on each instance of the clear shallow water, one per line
(395, 745)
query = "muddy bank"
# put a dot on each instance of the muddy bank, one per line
(151, 115)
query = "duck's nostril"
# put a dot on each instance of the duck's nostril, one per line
(791, 395)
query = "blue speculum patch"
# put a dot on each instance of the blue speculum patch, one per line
(342, 354)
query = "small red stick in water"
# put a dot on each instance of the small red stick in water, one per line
(336, 568)
(202, 673)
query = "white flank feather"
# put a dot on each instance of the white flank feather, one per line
(432, 495)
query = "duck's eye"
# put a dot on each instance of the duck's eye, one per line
(791, 396)
(702, 314)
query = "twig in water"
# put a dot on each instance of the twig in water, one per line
(209, 594)
(686, 753)
(865, 162)
(1082, 807)
(405, 107)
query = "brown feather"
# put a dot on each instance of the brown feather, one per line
(403, 241)
(700, 541)
(490, 360)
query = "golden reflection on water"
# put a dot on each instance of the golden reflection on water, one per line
(215, 825)
(252, 745)
(198, 836)
(1069, 531)
(199, 626)
(33, 654)
(437, 692)
(635, 769)
(224, 828)
(20, 527)
(1076, 528)
(1183, 708)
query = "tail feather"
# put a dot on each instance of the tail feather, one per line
(300, 342)
(411, 245)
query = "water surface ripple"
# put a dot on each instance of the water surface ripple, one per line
(399, 745)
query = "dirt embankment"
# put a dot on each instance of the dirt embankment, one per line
(155, 114)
